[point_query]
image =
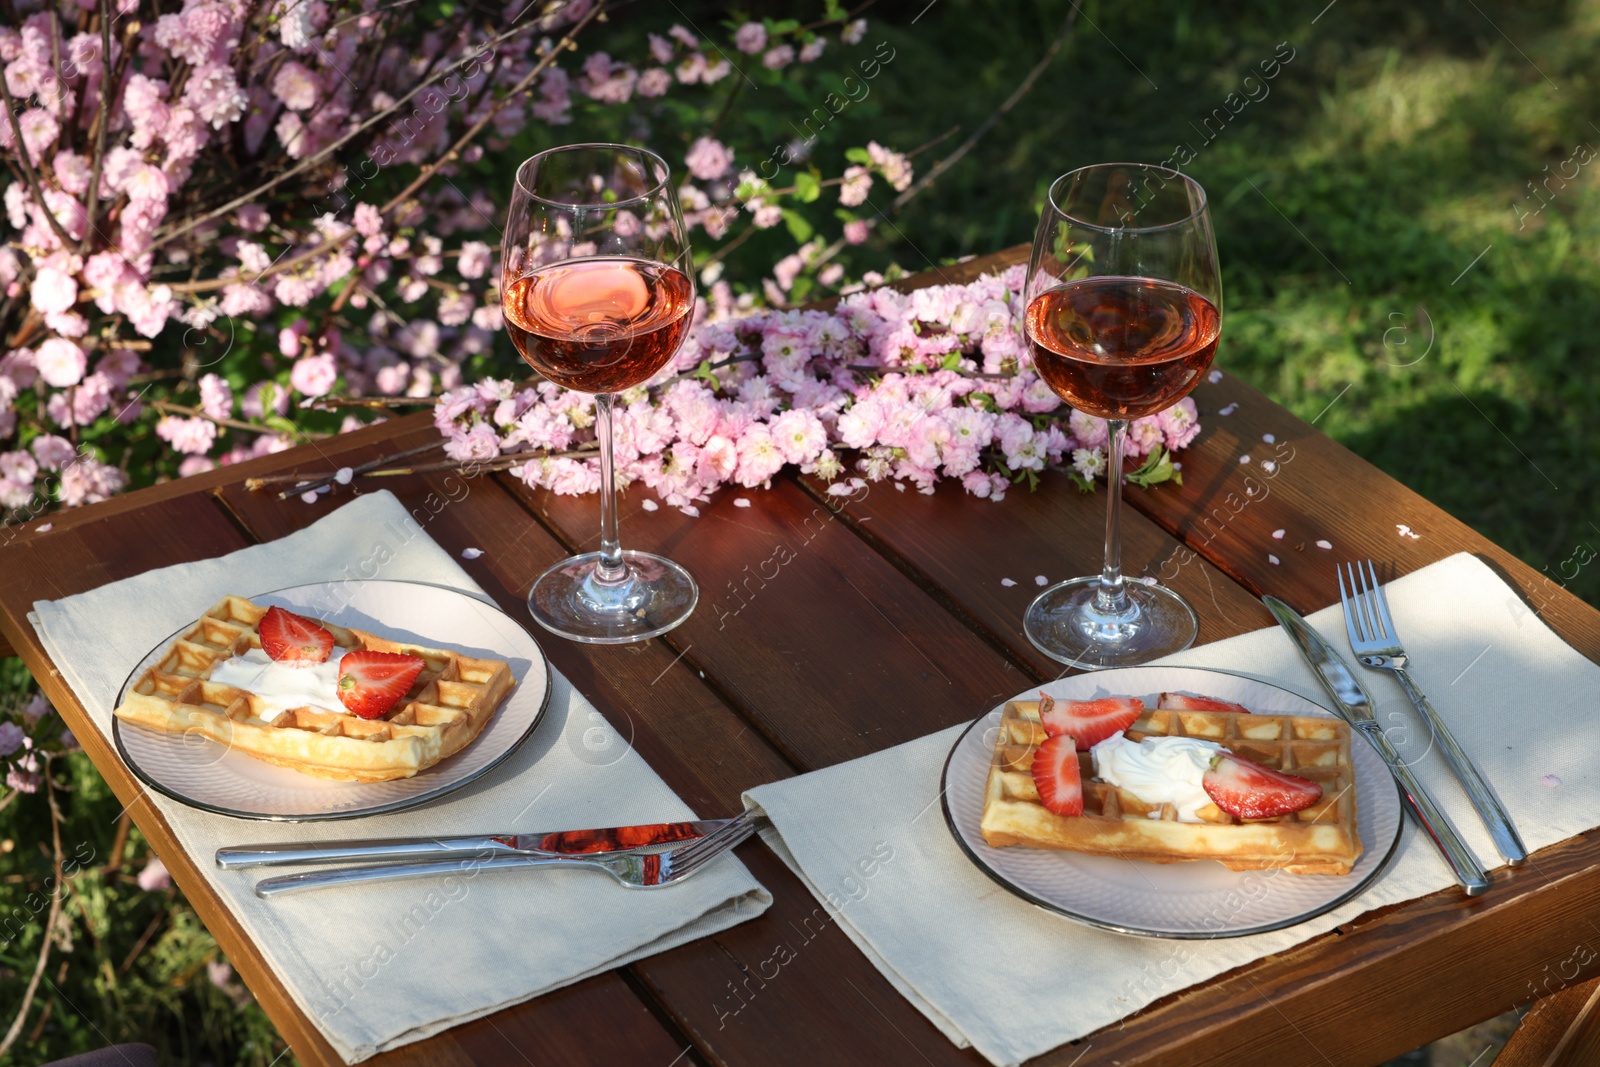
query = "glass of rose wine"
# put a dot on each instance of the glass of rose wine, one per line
(1124, 312)
(598, 293)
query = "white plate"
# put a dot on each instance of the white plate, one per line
(1201, 899)
(204, 774)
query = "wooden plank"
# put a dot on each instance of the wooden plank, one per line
(99, 548)
(1551, 1025)
(964, 550)
(822, 643)
(1318, 490)
(655, 697)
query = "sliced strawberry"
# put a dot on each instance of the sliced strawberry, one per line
(293, 640)
(1055, 773)
(1247, 790)
(1089, 721)
(1186, 702)
(370, 683)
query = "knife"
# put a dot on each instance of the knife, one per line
(545, 843)
(1353, 705)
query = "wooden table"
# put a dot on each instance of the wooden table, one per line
(885, 620)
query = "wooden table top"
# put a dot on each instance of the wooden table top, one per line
(889, 615)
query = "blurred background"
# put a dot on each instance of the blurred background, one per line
(1406, 205)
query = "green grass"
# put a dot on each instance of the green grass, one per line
(1389, 153)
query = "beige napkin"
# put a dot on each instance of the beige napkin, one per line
(386, 964)
(869, 838)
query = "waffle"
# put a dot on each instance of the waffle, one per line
(448, 705)
(1320, 839)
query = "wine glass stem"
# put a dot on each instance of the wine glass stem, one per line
(610, 569)
(1112, 597)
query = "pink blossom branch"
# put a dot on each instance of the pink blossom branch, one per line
(28, 173)
(421, 179)
(233, 424)
(102, 119)
(478, 127)
(323, 153)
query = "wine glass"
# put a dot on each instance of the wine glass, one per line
(598, 293)
(1124, 312)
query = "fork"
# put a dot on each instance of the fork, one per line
(1374, 641)
(636, 870)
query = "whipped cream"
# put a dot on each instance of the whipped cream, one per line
(1158, 770)
(281, 686)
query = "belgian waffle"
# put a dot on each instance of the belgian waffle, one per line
(448, 705)
(1320, 839)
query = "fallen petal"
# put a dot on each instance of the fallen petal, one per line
(1268, 438)
(1272, 559)
(344, 475)
(1325, 545)
(1245, 458)
(471, 553)
(1230, 409)
(1214, 377)
(1039, 579)
(1550, 781)
(1277, 535)
(1007, 582)
(650, 505)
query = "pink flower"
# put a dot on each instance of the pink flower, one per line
(855, 231)
(88, 481)
(477, 444)
(654, 82)
(191, 436)
(52, 452)
(54, 290)
(39, 131)
(474, 261)
(708, 159)
(1180, 423)
(314, 375)
(800, 434)
(750, 38)
(11, 736)
(895, 168)
(61, 363)
(857, 184)
(196, 465)
(778, 58)
(216, 397)
(813, 51)
(367, 221)
(214, 94)
(759, 457)
(661, 49)
(786, 270)
(692, 69)
(154, 876)
(253, 218)
(1092, 432)
(719, 458)
(296, 86)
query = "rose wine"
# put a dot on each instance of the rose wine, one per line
(1122, 348)
(599, 325)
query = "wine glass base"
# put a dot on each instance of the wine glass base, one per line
(570, 600)
(1064, 623)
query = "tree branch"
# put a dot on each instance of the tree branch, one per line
(102, 120)
(989, 123)
(28, 173)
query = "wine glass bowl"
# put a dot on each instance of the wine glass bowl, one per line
(1123, 317)
(598, 295)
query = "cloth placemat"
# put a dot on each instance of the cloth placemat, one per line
(385, 964)
(869, 838)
